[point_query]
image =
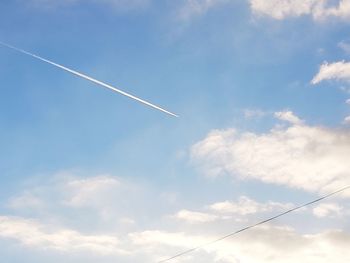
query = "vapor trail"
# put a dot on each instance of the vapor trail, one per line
(89, 78)
(254, 225)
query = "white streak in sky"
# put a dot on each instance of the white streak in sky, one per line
(89, 78)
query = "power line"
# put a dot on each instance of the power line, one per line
(254, 225)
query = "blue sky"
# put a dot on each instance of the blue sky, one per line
(261, 88)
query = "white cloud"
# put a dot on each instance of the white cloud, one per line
(195, 217)
(33, 234)
(306, 157)
(318, 9)
(348, 101)
(280, 9)
(263, 244)
(288, 116)
(162, 236)
(337, 71)
(327, 209)
(99, 199)
(233, 211)
(246, 206)
(89, 191)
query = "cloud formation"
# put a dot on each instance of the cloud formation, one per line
(319, 10)
(263, 244)
(311, 158)
(246, 206)
(288, 116)
(327, 209)
(230, 210)
(39, 236)
(135, 242)
(334, 71)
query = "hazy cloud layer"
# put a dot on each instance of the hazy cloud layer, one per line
(94, 197)
(264, 244)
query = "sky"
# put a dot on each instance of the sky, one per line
(262, 89)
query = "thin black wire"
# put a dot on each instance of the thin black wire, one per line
(255, 225)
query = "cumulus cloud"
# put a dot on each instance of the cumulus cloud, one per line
(232, 211)
(288, 116)
(246, 206)
(334, 71)
(195, 217)
(33, 234)
(263, 244)
(311, 158)
(318, 9)
(326, 209)
(279, 9)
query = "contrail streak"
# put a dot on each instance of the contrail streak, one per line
(89, 78)
(254, 225)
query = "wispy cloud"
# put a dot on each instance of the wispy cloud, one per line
(254, 113)
(345, 46)
(192, 8)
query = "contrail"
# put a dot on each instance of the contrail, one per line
(254, 225)
(89, 78)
